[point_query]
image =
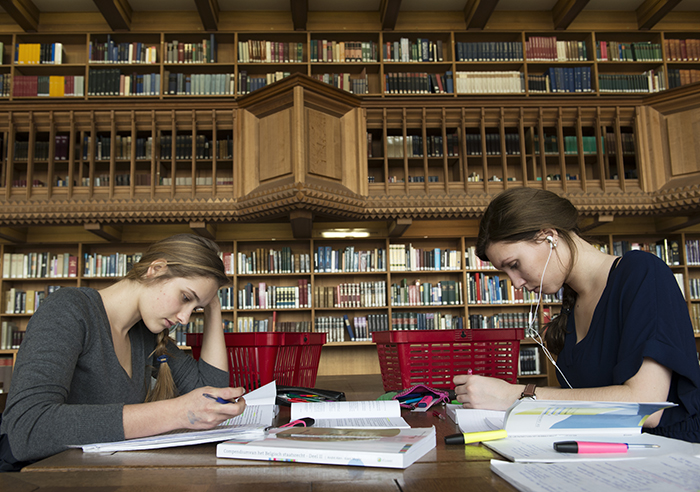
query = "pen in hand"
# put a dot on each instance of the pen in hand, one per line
(218, 399)
(583, 447)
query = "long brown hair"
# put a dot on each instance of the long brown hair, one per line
(520, 214)
(186, 256)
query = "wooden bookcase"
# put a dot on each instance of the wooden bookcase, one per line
(382, 305)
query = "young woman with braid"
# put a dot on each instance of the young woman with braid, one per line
(85, 369)
(624, 332)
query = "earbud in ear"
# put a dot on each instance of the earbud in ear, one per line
(550, 240)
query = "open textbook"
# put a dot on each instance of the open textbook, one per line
(258, 414)
(377, 414)
(384, 448)
(533, 426)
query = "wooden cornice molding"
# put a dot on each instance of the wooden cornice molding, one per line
(565, 11)
(117, 13)
(652, 11)
(13, 235)
(304, 201)
(209, 13)
(478, 12)
(23, 12)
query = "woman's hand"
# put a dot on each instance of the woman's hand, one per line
(197, 411)
(485, 392)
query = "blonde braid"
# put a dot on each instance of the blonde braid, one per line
(164, 388)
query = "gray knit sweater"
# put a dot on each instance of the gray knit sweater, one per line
(68, 386)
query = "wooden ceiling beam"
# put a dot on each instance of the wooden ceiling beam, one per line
(203, 229)
(117, 13)
(208, 13)
(674, 224)
(300, 14)
(109, 233)
(302, 222)
(399, 226)
(389, 14)
(590, 223)
(478, 12)
(13, 235)
(23, 12)
(565, 11)
(652, 11)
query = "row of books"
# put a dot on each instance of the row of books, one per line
(488, 51)
(415, 147)
(503, 82)
(334, 327)
(249, 324)
(568, 79)
(473, 262)
(692, 252)
(626, 142)
(548, 48)
(406, 51)
(5, 84)
(112, 82)
(204, 51)
(425, 321)
(694, 287)
(492, 143)
(350, 259)
(227, 298)
(498, 289)
(649, 81)
(679, 77)
(39, 53)
(418, 83)
(249, 83)
(529, 361)
(417, 293)
(39, 265)
(356, 84)
(406, 257)
(26, 301)
(618, 51)
(261, 51)
(551, 144)
(10, 337)
(199, 84)
(668, 250)
(498, 321)
(110, 51)
(322, 50)
(265, 260)
(351, 295)
(48, 86)
(187, 180)
(682, 49)
(265, 296)
(113, 265)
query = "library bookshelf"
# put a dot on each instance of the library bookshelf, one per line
(227, 134)
(379, 283)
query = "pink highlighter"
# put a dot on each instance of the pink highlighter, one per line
(583, 447)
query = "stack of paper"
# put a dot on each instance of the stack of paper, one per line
(251, 424)
(377, 414)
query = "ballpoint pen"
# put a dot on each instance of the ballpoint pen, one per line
(218, 399)
(583, 447)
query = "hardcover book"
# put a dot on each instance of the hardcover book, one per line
(383, 448)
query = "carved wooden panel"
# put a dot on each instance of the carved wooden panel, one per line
(323, 139)
(275, 144)
(684, 142)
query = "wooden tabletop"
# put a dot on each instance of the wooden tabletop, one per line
(444, 468)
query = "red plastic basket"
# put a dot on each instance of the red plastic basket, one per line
(434, 357)
(256, 359)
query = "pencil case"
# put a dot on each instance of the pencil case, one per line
(286, 395)
(412, 397)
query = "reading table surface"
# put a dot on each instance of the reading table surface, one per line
(196, 468)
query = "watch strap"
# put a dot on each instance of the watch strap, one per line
(529, 391)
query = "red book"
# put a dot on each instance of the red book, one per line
(72, 266)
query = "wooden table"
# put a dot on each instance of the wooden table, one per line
(445, 468)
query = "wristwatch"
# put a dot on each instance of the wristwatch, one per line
(529, 392)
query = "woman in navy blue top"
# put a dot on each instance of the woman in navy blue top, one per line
(624, 332)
